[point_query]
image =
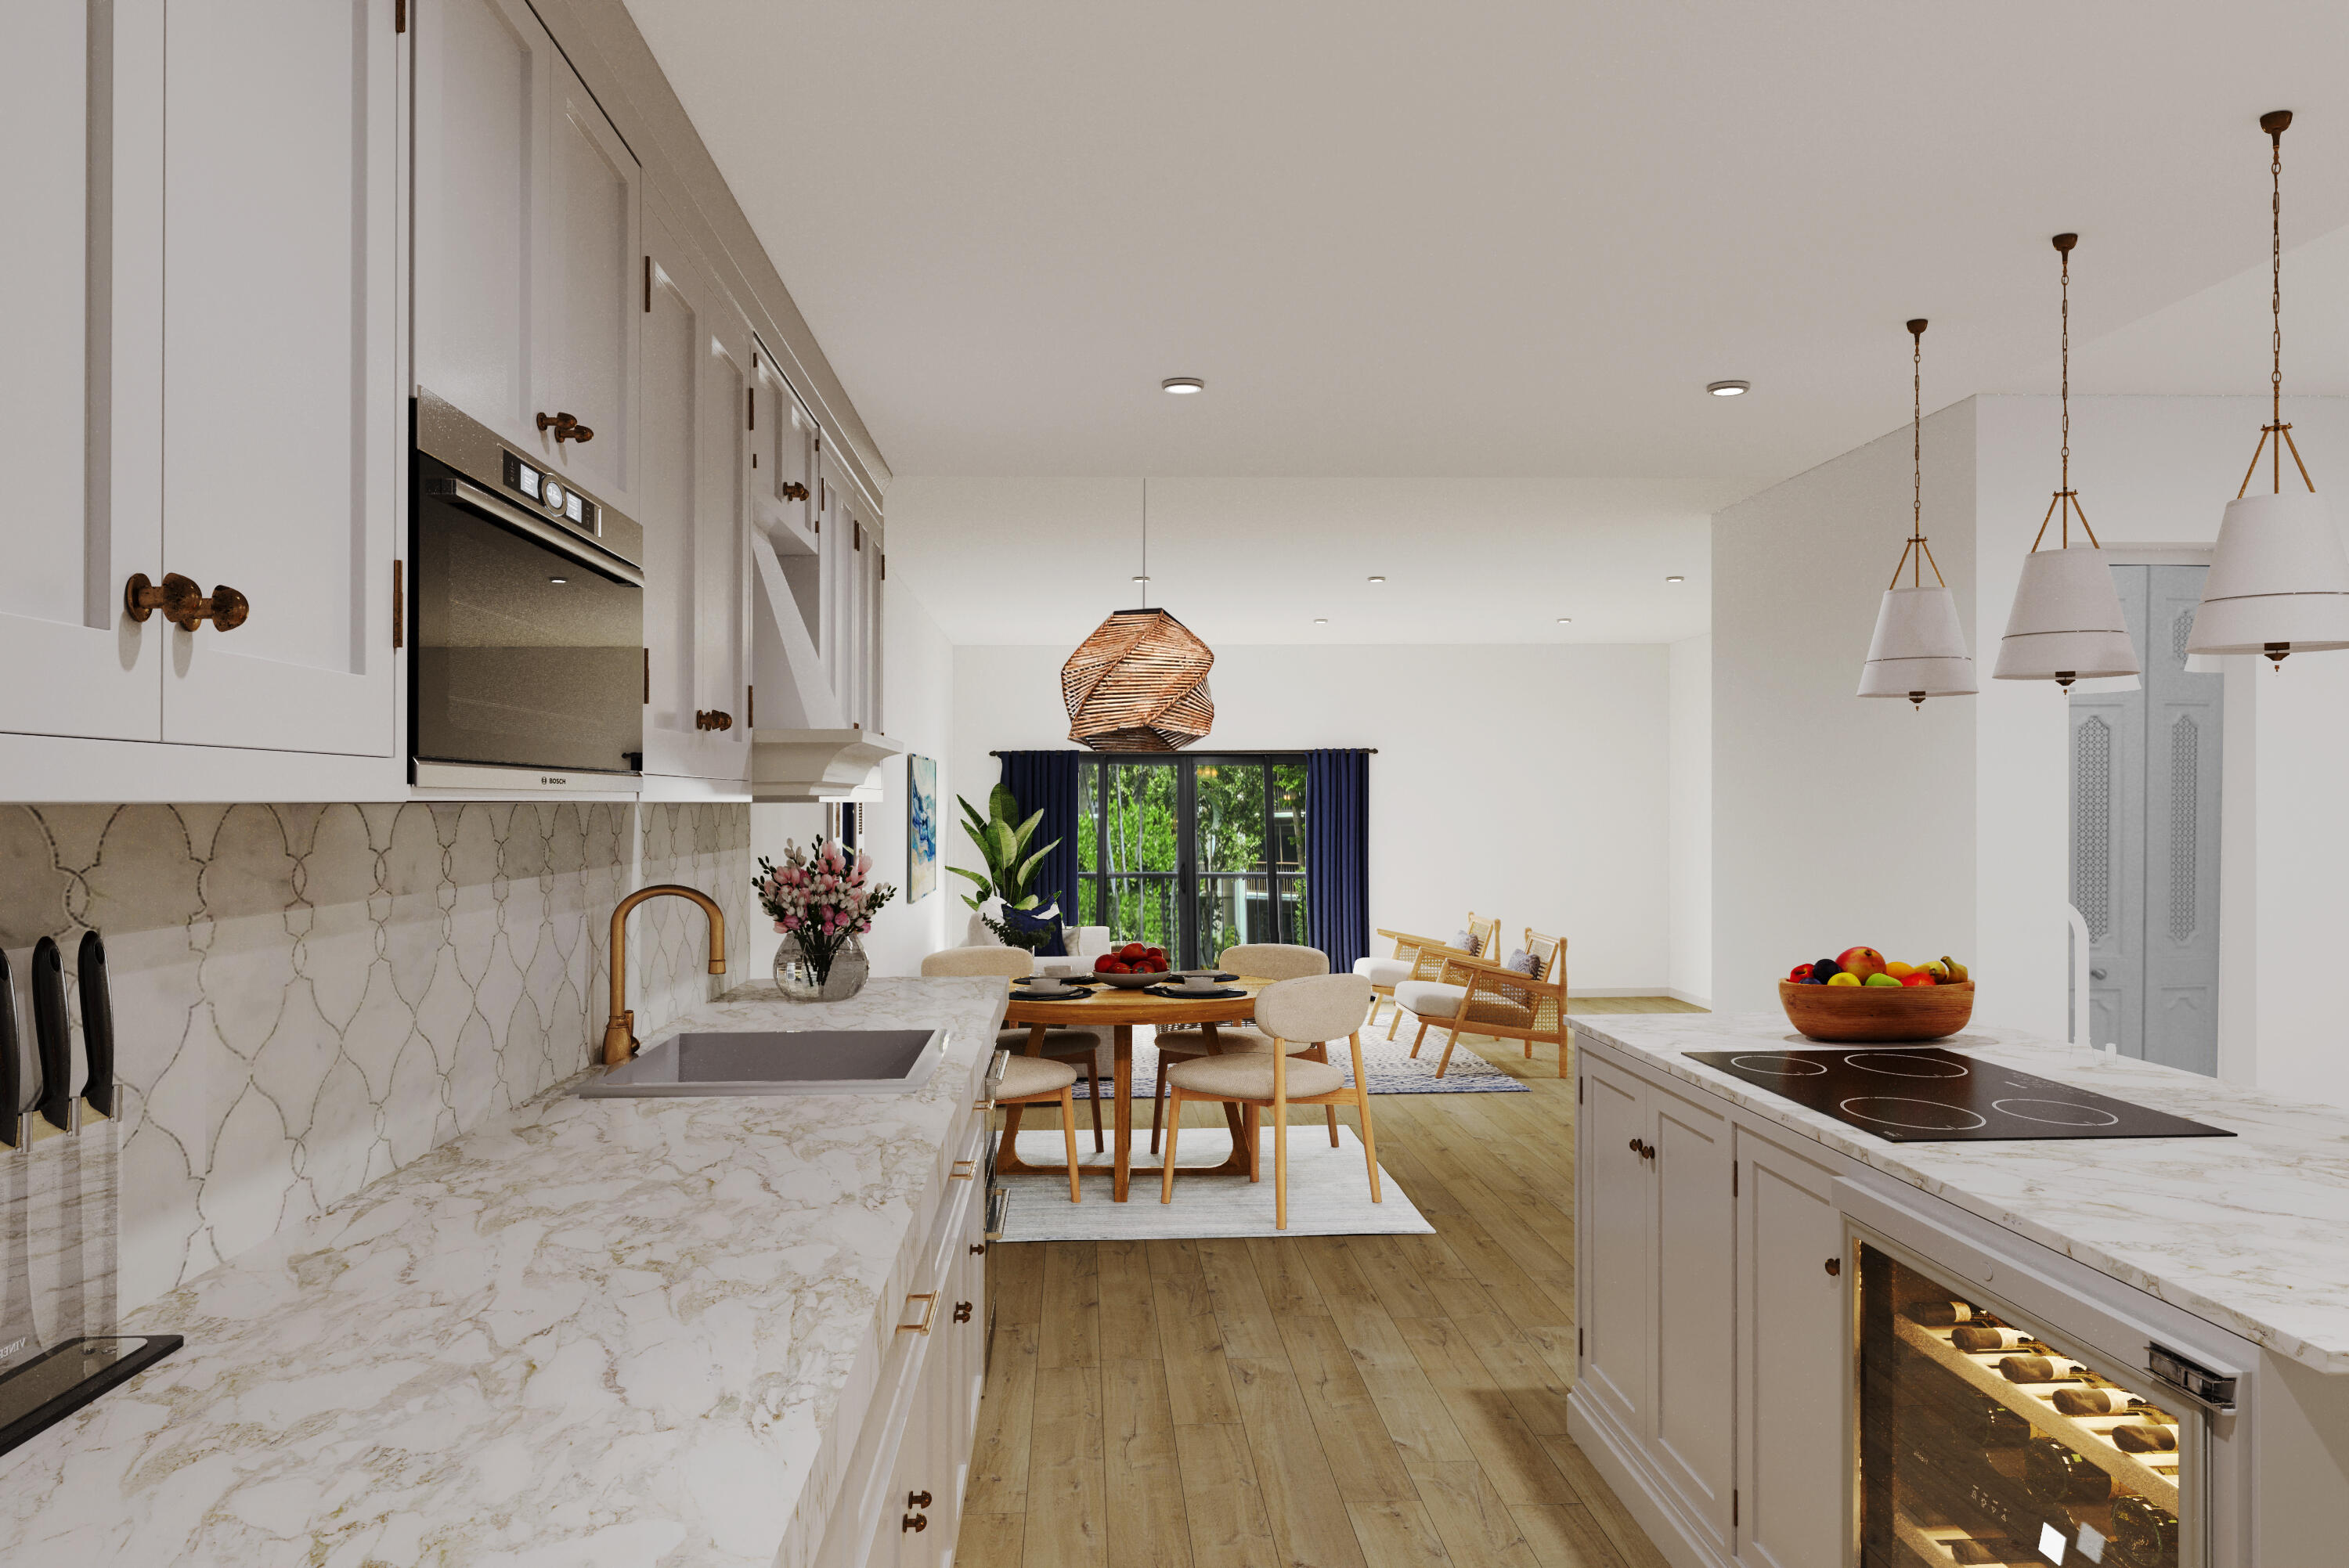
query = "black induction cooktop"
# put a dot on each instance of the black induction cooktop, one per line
(1923, 1094)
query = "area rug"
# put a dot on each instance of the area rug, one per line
(1329, 1192)
(1390, 1063)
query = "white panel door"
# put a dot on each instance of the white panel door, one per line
(2184, 722)
(283, 431)
(80, 109)
(484, 83)
(1793, 1342)
(721, 536)
(1695, 1306)
(595, 291)
(1617, 1222)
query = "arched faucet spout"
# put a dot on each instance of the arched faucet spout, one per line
(620, 1033)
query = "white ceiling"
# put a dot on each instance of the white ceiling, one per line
(1500, 241)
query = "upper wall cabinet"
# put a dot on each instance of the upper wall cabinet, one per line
(530, 271)
(202, 370)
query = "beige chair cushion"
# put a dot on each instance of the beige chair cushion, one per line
(1027, 1077)
(1274, 960)
(1010, 962)
(1321, 1007)
(1250, 1077)
(1388, 972)
(1233, 1041)
(1433, 999)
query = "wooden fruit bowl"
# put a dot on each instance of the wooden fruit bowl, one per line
(1841, 1014)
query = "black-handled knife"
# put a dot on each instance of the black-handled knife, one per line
(11, 1061)
(97, 1024)
(50, 1035)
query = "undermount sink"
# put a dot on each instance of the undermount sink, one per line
(777, 1062)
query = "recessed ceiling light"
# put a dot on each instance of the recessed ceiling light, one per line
(558, 579)
(1138, 577)
(1675, 579)
(1565, 619)
(1321, 619)
(1182, 386)
(1377, 579)
(1729, 388)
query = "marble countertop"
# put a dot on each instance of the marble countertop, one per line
(2251, 1232)
(604, 1332)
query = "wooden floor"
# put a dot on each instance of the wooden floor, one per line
(1324, 1402)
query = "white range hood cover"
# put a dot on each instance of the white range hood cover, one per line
(801, 765)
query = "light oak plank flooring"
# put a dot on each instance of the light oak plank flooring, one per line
(1316, 1402)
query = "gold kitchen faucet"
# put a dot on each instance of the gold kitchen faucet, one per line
(620, 1034)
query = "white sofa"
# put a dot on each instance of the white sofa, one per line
(1089, 942)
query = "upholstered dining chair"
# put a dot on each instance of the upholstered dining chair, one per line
(1036, 1080)
(1521, 999)
(1089, 1050)
(1422, 958)
(1314, 1009)
(1259, 960)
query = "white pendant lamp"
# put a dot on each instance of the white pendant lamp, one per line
(1918, 650)
(2067, 623)
(2279, 581)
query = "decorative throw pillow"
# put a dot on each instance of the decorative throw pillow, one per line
(1466, 943)
(1046, 922)
(1525, 963)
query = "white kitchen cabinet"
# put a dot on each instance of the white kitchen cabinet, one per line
(1793, 1341)
(530, 273)
(1616, 1339)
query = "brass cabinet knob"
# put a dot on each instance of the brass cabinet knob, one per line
(712, 718)
(793, 490)
(184, 604)
(962, 1312)
(1835, 1265)
(565, 427)
(977, 1248)
(916, 1522)
(917, 1499)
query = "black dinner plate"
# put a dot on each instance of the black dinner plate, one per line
(1176, 994)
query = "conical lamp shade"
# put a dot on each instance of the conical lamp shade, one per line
(2067, 623)
(1919, 649)
(2279, 577)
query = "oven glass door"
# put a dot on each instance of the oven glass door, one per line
(526, 655)
(1982, 1442)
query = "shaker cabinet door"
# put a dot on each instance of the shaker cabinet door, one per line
(1695, 1302)
(81, 299)
(594, 274)
(1793, 1341)
(1617, 1219)
(282, 430)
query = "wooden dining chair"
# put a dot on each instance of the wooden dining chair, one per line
(1089, 1050)
(1421, 958)
(1033, 1080)
(1495, 999)
(1188, 1042)
(1316, 1009)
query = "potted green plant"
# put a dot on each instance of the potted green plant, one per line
(1011, 866)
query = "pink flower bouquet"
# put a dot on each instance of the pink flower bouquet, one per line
(821, 898)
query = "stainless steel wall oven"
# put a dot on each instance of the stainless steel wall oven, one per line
(525, 620)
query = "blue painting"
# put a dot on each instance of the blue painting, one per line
(921, 827)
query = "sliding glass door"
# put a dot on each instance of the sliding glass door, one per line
(1192, 853)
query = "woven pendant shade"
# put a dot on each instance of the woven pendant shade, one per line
(1139, 684)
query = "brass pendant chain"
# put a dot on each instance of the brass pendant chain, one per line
(2275, 292)
(2065, 252)
(1917, 457)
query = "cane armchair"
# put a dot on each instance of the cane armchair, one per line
(1489, 998)
(1420, 958)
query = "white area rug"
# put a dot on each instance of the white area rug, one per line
(1329, 1192)
(1391, 1067)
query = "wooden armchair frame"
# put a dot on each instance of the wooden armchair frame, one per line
(1494, 991)
(1427, 955)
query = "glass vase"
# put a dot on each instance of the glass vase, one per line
(795, 977)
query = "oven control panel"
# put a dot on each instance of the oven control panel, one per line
(550, 493)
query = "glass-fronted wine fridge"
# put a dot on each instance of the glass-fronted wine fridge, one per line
(1984, 1440)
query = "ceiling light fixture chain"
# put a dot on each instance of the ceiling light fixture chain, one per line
(1916, 556)
(1145, 578)
(2274, 122)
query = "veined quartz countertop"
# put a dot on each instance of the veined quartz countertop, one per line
(604, 1332)
(2251, 1232)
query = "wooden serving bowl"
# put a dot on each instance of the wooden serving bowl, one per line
(1847, 1013)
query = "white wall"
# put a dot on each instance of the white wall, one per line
(1690, 848)
(917, 710)
(1837, 822)
(1531, 782)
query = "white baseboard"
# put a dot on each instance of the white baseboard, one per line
(1595, 1431)
(1616, 991)
(1691, 998)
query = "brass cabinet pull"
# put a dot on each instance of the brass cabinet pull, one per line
(962, 1312)
(917, 1499)
(964, 1171)
(1835, 1265)
(712, 718)
(565, 428)
(916, 1522)
(184, 602)
(929, 1300)
(977, 1248)
(793, 491)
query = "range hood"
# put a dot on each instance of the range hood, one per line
(800, 765)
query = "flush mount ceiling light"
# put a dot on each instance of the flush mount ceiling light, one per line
(2067, 623)
(1565, 619)
(2279, 581)
(1321, 619)
(1140, 682)
(1377, 579)
(1182, 386)
(1675, 579)
(1729, 388)
(1918, 650)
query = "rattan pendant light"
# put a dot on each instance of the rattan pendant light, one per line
(2067, 624)
(2279, 581)
(1140, 682)
(1920, 649)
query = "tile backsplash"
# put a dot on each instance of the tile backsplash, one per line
(309, 996)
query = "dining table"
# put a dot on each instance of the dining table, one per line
(1120, 1010)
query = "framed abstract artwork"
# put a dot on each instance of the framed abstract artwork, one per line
(921, 826)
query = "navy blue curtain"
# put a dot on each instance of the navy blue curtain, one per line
(1338, 856)
(1046, 781)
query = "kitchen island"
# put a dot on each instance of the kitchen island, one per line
(1721, 1226)
(602, 1332)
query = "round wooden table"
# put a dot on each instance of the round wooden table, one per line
(1120, 1010)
